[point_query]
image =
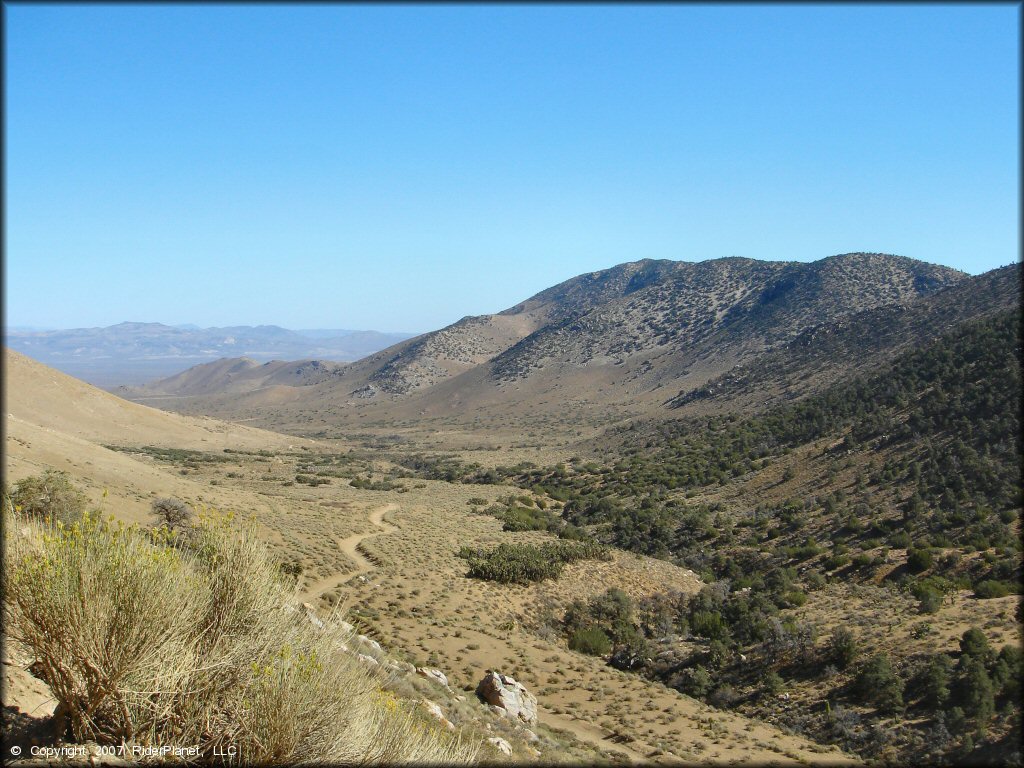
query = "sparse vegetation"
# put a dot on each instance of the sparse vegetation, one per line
(151, 644)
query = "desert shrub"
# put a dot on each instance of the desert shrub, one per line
(724, 697)
(929, 598)
(772, 683)
(291, 570)
(50, 495)
(1008, 671)
(919, 559)
(990, 588)
(709, 624)
(590, 640)
(612, 613)
(814, 580)
(529, 519)
(147, 643)
(525, 563)
(695, 681)
(174, 513)
(836, 561)
(843, 647)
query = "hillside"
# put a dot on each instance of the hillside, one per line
(856, 342)
(352, 531)
(601, 346)
(900, 484)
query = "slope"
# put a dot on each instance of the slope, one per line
(595, 348)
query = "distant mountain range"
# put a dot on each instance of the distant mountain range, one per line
(133, 353)
(639, 339)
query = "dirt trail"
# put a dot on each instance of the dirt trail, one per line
(350, 547)
(590, 733)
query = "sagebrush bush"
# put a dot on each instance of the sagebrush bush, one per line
(146, 641)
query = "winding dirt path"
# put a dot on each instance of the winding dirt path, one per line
(590, 733)
(350, 547)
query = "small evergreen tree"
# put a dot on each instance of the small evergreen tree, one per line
(974, 644)
(935, 681)
(976, 694)
(878, 684)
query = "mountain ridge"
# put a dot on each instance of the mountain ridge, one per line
(614, 337)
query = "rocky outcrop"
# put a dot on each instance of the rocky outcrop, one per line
(508, 694)
(435, 711)
(501, 745)
(433, 674)
(370, 643)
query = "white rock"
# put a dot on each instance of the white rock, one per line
(509, 694)
(433, 674)
(368, 660)
(501, 745)
(371, 643)
(311, 615)
(437, 713)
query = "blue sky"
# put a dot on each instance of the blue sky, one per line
(399, 167)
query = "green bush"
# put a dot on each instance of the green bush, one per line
(990, 588)
(919, 559)
(933, 681)
(695, 681)
(49, 496)
(929, 599)
(525, 563)
(843, 647)
(974, 644)
(591, 640)
(709, 624)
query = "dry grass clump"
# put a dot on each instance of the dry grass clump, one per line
(146, 638)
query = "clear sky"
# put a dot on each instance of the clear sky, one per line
(399, 167)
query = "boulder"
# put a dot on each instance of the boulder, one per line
(510, 695)
(310, 613)
(435, 711)
(501, 745)
(370, 643)
(433, 674)
(367, 660)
